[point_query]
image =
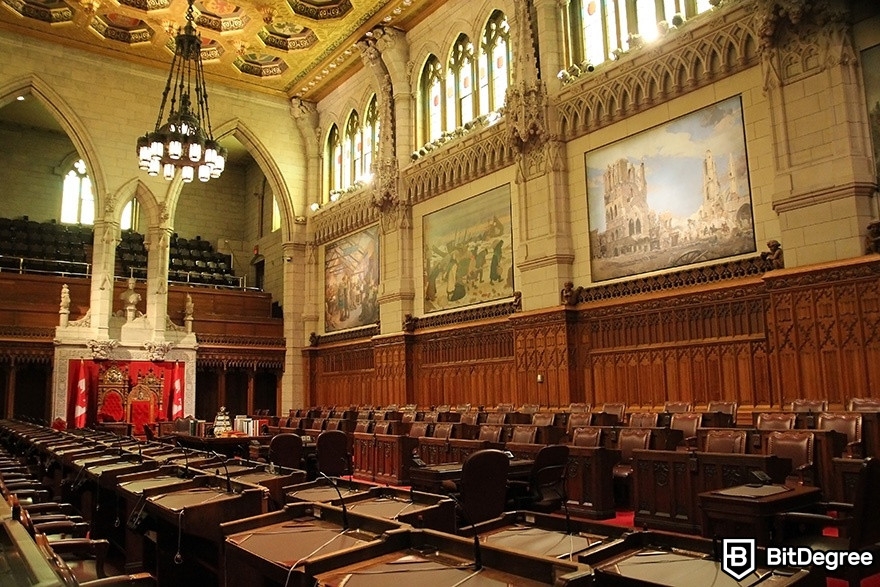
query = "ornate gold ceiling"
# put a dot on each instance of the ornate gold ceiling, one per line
(299, 48)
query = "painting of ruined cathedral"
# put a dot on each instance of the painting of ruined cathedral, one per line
(351, 281)
(468, 252)
(671, 196)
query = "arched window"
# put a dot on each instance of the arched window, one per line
(433, 104)
(334, 157)
(351, 150)
(494, 66)
(460, 102)
(77, 199)
(369, 138)
(599, 29)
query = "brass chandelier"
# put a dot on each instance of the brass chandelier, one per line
(184, 141)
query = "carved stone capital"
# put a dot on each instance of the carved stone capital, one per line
(526, 116)
(102, 349)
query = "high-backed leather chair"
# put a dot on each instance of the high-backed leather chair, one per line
(677, 407)
(726, 441)
(542, 419)
(365, 426)
(483, 486)
(723, 408)
(382, 427)
(285, 450)
(859, 404)
(332, 453)
(496, 418)
(628, 440)
(796, 445)
(490, 433)
(578, 420)
(858, 526)
(687, 422)
(419, 429)
(504, 408)
(579, 408)
(615, 409)
(545, 489)
(590, 436)
(529, 408)
(523, 435)
(442, 430)
(809, 405)
(849, 424)
(643, 420)
(469, 418)
(767, 421)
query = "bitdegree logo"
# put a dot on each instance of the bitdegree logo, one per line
(739, 557)
(802, 556)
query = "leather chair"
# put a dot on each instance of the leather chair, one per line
(677, 407)
(469, 418)
(643, 420)
(578, 420)
(542, 419)
(365, 426)
(529, 409)
(589, 436)
(523, 435)
(809, 405)
(775, 421)
(615, 410)
(858, 526)
(490, 433)
(419, 429)
(285, 450)
(333, 457)
(687, 422)
(545, 489)
(849, 424)
(579, 408)
(796, 445)
(496, 418)
(442, 430)
(482, 490)
(723, 408)
(858, 404)
(81, 562)
(383, 427)
(628, 440)
(504, 408)
(726, 441)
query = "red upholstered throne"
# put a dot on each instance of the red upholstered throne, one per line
(112, 393)
(145, 400)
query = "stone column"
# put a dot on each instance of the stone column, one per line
(156, 243)
(103, 261)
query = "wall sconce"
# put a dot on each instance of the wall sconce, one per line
(540, 378)
(314, 206)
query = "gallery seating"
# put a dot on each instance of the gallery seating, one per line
(643, 420)
(809, 405)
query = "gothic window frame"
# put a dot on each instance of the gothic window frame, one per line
(495, 33)
(77, 194)
(431, 77)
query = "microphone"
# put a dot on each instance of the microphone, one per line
(478, 553)
(223, 461)
(341, 499)
(185, 460)
(119, 442)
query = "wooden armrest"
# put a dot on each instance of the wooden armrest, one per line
(84, 547)
(854, 449)
(812, 519)
(48, 507)
(44, 518)
(837, 506)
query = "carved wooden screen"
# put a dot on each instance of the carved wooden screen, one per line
(145, 400)
(112, 393)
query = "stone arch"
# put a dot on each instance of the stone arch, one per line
(69, 121)
(131, 190)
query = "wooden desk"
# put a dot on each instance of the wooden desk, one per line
(320, 490)
(274, 481)
(435, 558)
(666, 483)
(261, 550)
(745, 512)
(430, 479)
(589, 479)
(383, 458)
(227, 445)
(420, 510)
(654, 559)
(661, 438)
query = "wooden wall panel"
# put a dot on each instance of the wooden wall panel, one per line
(758, 340)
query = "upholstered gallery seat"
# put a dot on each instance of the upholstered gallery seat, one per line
(796, 445)
(677, 407)
(643, 420)
(809, 405)
(775, 421)
(589, 436)
(849, 424)
(726, 441)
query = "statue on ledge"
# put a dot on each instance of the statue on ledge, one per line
(774, 257)
(130, 299)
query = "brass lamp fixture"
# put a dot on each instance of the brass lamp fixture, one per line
(184, 141)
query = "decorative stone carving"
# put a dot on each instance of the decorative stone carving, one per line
(410, 323)
(102, 349)
(872, 240)
(773, 257)
(84, 322)
(64, 310)
(157, 350)
(314, 339)
(526, 114)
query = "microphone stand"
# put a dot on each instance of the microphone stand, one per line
(223, 461)
(478, 553)
(341, 499)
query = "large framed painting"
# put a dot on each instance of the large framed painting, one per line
(468, 252)
(872, 94)
(351, 281)
(670, 196)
